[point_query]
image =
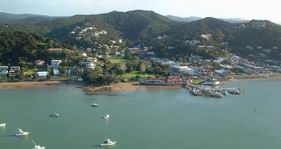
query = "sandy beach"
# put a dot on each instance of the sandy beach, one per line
(28, 85)
(118, 87)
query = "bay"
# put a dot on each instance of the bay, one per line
(145, 119)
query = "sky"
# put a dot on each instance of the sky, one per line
(246, 9)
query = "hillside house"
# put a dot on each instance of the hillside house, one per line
(184, 70)
(206, 36)
(54, 50)
(84, 54)
(4, 70)
(89, 62)
(14, 71)
(56, 71)
(42, 74)
(55, 63)
(39, 62)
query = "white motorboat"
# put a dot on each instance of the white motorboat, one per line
(106, 116)
(108, 142)
(55, 115)
(36, 146)
(3, 125)
(22, 133)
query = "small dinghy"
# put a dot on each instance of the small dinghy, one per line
(108, 142)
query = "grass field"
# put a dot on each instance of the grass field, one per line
(117, 60)
(197, 81)
(29, 72)
(136, 73)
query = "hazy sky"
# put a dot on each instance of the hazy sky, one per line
(248, 9)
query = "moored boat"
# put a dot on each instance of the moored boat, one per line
(217, 94)
(36, 146)
(235, 91)
(22, 133)
(106, 116)
(3, 125)
(108, 142)
(196, 92)
(55, 115)
(94, 104)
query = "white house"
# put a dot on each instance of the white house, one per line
(42, 73)
(55, 63)
(90, 62)
(182, 69)
(56, 71)
(206, 36)
(90, 65)
(219, 60)
(14, 70)
(226, 66)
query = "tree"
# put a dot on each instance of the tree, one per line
(128, 54)
(142, 67)
(117, 70)
(123, 67)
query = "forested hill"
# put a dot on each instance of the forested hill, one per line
(19, 47)
(151, 29)
(15, 18)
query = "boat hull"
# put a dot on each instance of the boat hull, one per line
(22, 135)
(39, 147)
(94, 105)
(3, 125)
(108, 144)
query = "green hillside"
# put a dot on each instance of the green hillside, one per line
(148, 28)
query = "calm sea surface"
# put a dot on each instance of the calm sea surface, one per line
(147, 119)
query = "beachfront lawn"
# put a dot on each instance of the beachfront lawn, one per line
(117, 60)
(29, 72)
(197, 81)
(59, 78)
(137, 73)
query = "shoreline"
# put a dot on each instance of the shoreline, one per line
(122, 87)
(259, 77)
(29, 85)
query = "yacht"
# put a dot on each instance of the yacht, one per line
(22, 133)
(2, 124)
(106, 116)
(108, 142)
(36, 146)
(94, 104)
